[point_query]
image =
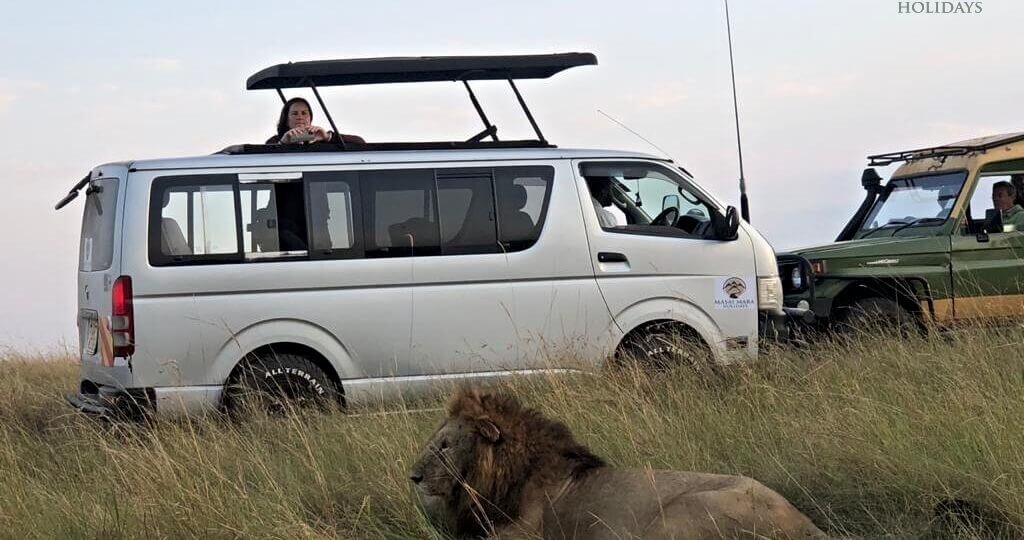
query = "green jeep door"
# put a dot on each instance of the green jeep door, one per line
(988, 277)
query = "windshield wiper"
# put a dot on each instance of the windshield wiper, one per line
(881, 227)
(920, 221)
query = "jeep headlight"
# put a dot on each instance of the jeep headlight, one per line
(796, 278)
(769, 294)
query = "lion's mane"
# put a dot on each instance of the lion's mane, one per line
(530, 448)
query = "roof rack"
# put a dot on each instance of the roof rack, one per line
(456, 69)
(379, 147)
(941, 152)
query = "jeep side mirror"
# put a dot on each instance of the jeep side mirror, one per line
(725, 227)
(993, 221)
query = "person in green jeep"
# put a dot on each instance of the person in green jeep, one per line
(1003, 199)
(1018, 185)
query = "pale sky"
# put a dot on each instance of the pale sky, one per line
(822, 84)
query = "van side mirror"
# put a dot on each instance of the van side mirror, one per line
(725, 227)
(670, 201)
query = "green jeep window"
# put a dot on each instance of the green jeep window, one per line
(914, 201)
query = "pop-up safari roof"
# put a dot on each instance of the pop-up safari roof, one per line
(458, 69)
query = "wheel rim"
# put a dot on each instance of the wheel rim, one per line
(661, 352)
(278, 390)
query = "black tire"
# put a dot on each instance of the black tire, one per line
(278, 383)
(664, 347)
(875, 315)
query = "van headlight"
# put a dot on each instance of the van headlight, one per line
(769, 294)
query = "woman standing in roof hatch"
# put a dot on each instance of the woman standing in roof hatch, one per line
(295, 125)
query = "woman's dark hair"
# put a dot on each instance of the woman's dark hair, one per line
(282, 121)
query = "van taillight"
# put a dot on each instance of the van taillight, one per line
(122, 323)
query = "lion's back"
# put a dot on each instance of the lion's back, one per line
(666, 504)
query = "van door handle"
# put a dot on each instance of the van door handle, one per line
(611, 257)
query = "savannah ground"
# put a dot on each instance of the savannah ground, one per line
(865, 437)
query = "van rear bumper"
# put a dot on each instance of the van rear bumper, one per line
(88, 404)
(110, 402)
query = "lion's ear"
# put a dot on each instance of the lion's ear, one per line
(488, 429)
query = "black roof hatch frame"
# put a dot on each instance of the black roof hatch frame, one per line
(321, 73)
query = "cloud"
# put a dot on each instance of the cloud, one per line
(950, 132)
(798, 89)
(807, 88)
(13, 90)
(6, 98)
(661, 96)
(162, 64)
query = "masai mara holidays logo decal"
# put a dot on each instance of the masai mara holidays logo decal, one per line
(734, 293)
(905, 7)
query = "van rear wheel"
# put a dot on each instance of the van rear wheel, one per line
(278, 383)
(663, 347)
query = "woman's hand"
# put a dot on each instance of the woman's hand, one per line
(295, 135)
(319, 133)
(305, 134)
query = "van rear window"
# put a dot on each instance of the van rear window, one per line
(96, 246)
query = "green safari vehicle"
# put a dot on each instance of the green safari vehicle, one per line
(927, 248)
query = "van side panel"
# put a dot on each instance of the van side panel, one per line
(189, 319)
(561, 318)
(531, 309)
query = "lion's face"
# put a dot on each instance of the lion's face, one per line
(441, 469)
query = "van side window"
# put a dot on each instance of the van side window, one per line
(523, 194)
(193, 219)
(335, 216)
(400, 213)
(273, 219)
(646, 198)
(466, 206)
(204, 219)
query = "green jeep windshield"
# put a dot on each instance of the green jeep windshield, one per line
(913, 202)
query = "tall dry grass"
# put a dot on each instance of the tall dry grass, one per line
(864, 436)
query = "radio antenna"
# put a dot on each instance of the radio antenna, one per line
(639, 136)
(744, 204)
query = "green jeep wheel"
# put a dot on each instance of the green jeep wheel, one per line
(875, 314)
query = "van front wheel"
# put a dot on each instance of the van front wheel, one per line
(279, 383)
(663, 347)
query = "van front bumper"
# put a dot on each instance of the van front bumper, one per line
(779, 326)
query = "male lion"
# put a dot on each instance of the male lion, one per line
(498, 470)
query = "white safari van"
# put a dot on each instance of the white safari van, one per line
(346, 272)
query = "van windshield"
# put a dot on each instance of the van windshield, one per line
(96, 246)
(910, 202)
